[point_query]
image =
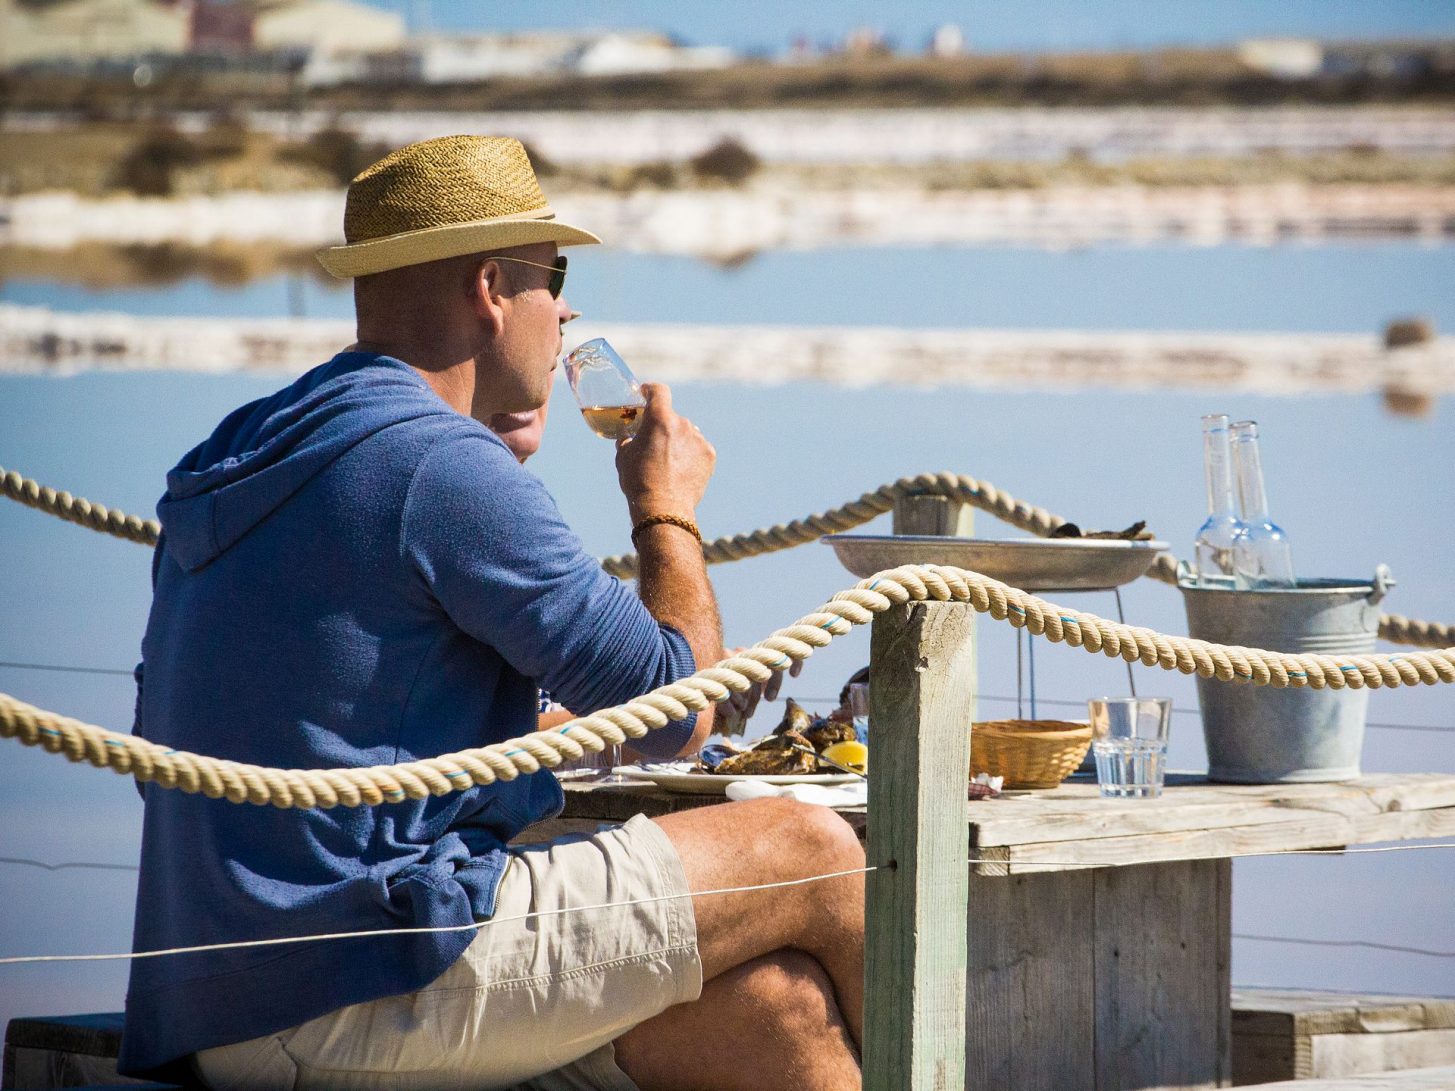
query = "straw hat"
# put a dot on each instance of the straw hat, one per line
(441, 199)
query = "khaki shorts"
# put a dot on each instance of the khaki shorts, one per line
(531, 1004)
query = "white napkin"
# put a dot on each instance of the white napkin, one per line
(855, 794)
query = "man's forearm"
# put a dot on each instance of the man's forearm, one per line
(672, 581)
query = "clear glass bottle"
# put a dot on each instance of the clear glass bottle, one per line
(1262, 559)
(1214, 546)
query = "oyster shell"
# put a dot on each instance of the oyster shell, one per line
(774, 755)
(824, 733)
(795, 718)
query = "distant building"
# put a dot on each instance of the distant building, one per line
(467, 58)
(90, 30)
(1283, 58)
(947, 41)
(624, 53)
(87, 31)
(865, 42)
(326, 25)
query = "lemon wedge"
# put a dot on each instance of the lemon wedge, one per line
(853, 754)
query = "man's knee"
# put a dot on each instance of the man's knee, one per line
(789, 989)
(817, 832)
(830, 838)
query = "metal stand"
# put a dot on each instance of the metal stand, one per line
(1026, 664)
(1122, 617)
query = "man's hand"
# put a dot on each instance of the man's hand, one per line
(738, 709)
(665, 467)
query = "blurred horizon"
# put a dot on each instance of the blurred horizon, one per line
(770, 26)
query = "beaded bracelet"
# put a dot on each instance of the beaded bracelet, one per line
(671, 520)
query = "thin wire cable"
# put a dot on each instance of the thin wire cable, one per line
(68, 864)
(474, 926)
(973, 860)
(1372, 945)
(17, 960)
(65, 670)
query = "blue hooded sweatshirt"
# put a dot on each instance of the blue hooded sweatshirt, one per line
(352, 574)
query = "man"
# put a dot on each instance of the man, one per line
(356, 571)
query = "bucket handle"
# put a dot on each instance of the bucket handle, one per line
(1383, 581)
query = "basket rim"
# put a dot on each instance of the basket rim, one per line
(1068, 728)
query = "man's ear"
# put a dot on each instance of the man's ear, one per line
(487, 294)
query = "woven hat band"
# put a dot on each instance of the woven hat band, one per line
(449, 241)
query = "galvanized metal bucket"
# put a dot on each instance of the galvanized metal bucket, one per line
(1263, 735)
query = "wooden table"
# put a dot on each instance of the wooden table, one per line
(1068, 942)
(1099, 930)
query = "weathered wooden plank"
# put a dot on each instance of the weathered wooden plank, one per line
(936, 515)
(1422, 1079)
(1264, 1058)
(916, 903)
(1161, 965)
(605, 804)
(1076, 812)
(1300, 830)
(1354, 1054)
(1298, 1034)
(1309, 1011)
(1029, 983)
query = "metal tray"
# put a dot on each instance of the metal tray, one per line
(1031, 564)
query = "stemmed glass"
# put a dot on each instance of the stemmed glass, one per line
(611, 402)
(609, 395)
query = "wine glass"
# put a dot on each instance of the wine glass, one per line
(609, 395)
(611, 402)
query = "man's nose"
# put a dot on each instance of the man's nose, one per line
(564, 313)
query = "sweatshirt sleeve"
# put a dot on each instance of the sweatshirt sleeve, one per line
(491, 546)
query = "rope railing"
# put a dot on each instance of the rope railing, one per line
(305, 788)
(78, 510)
(1394, 628)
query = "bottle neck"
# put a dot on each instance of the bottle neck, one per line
(1251, 496)
(1217, 464)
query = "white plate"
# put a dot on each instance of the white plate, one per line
(675, 777)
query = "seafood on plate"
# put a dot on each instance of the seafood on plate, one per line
(820, 733)
(776, 754)
(1137, 532)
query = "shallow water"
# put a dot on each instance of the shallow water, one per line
(1346, 287)
(1353, 485)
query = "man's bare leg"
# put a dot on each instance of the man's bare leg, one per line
(770, 1023)
(769, 841)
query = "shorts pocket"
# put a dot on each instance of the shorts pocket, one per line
(394, 1034)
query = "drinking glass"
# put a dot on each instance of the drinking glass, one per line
(859, 706)
(1129, 739)
(609, 395)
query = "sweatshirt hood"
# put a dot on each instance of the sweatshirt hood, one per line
(264, 452)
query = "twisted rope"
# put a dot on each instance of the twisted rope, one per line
(371, 786)
(1394, 628)
(969, 490)
(76, 509)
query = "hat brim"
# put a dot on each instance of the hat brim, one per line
(450, 241)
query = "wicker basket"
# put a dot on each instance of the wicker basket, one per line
(1028, 753)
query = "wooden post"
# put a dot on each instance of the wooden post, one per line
(937, 515)
(916, 903)
(941, 517)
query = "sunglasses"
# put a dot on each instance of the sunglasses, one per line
(558, 273)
